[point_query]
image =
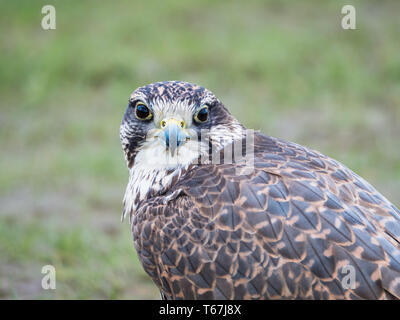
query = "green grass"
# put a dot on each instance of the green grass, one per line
(285, 67)
(91, 263)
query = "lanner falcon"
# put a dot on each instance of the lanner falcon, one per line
(280, 222)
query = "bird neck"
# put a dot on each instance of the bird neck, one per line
(146, 182)
(151, 180)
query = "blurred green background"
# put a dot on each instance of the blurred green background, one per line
(285, 67)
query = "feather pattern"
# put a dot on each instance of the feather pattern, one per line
(292, 224)
(285, 231)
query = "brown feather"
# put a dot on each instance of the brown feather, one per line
(283, 232)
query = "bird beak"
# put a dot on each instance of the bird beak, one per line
(174, 134)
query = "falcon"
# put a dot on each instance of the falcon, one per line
(280, 221)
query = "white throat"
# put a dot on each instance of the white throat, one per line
(154, 170)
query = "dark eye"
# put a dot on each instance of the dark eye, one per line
(201, 115)
(142, 112)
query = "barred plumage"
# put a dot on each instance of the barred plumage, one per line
(287, 230)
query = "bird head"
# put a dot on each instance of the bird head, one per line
(173, 123)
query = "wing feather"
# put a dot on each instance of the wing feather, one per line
(284, 231)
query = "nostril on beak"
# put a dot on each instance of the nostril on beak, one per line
(174, 134)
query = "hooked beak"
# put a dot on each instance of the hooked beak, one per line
(174, 135)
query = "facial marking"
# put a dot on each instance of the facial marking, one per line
(160, 149)
(166, 100)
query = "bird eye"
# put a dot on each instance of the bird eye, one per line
(202, 115)
(142, 112)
